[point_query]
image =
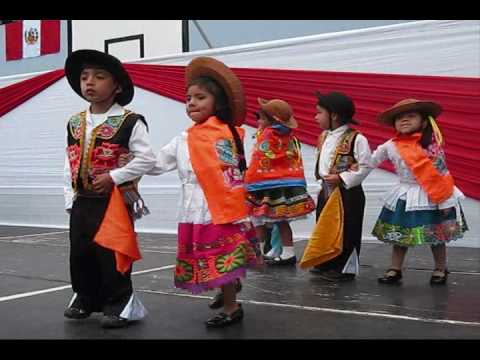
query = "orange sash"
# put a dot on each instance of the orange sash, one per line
(117, 234)
(437, 186)
(215, 163)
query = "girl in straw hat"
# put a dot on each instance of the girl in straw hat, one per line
(216, 241)
(275, 180)
(424, 208)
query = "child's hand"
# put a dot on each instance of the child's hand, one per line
(124, 159)
(103, 183)
(332, 179)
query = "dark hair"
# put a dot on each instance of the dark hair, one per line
(222, 112)
(427, 132)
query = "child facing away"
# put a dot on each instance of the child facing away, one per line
(94, 184)
(275, 179)
(216, 240)
(423, 208)
(343, 162)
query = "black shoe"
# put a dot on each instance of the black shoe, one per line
(113, 322)
(389, 278)
(279, 261)
(217, 301)
(76, 313)
(222, 319)
(319, 269)
(335, 276)
(439, 279)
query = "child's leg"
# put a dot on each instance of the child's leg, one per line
(285, 233)
(440, 256)
(230, 298)
(398, 256)
(287, 241)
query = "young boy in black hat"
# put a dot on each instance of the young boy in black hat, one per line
(343, 158)
(96, 138)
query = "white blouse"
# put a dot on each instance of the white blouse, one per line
(408, 189)
(175, 156)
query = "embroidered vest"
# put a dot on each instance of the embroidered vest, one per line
(108, 141)
(343, 158)
(275, 157)
(215, 161)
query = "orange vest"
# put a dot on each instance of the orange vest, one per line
(214, 160)
(276, 161)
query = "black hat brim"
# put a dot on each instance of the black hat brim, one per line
(75, 64)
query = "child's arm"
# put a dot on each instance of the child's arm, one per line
(361, 151)
(379, 155)
(143, 156)
(166, 158)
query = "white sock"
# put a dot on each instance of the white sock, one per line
(288, 252)
(271, 253)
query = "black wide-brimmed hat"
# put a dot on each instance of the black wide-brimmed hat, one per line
(77, 60)
(338, 103)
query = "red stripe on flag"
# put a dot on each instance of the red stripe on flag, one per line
(50, 37)
(13, 40)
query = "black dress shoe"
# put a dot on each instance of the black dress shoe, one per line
(391, 276)
(113, 322)
(335, 276)
(222, 319)
(76, 313)
(279, 261)
(439, 279)
(217, 301)
(318, 269)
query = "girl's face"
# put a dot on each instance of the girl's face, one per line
(200, 104)
(262, 120)
(409, 122)
(98, 85)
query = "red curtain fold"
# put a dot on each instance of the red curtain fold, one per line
(372, 93)
(16, 94)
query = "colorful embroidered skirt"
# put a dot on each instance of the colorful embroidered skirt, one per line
(210, 256)
(421, 227)
(279, 204)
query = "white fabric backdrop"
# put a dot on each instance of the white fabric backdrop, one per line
(32, 135)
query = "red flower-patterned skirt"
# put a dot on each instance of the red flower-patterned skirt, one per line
(210, 256)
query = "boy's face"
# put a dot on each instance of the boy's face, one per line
(98, 85)
(409, 122)
(200, 104)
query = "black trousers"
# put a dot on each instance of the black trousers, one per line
(99, 286)
(353, 201)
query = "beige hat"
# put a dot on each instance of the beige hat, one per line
(428, 107)
(279, 110)
(210, 67)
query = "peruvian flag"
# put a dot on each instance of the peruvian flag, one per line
(30, 38)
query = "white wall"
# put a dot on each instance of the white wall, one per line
(161, 37)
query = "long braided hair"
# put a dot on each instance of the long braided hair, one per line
(222, 112)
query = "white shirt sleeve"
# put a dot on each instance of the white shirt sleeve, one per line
(166, 158)
(379, 155)
(144, 157)
(67, 181)
(362, 153)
